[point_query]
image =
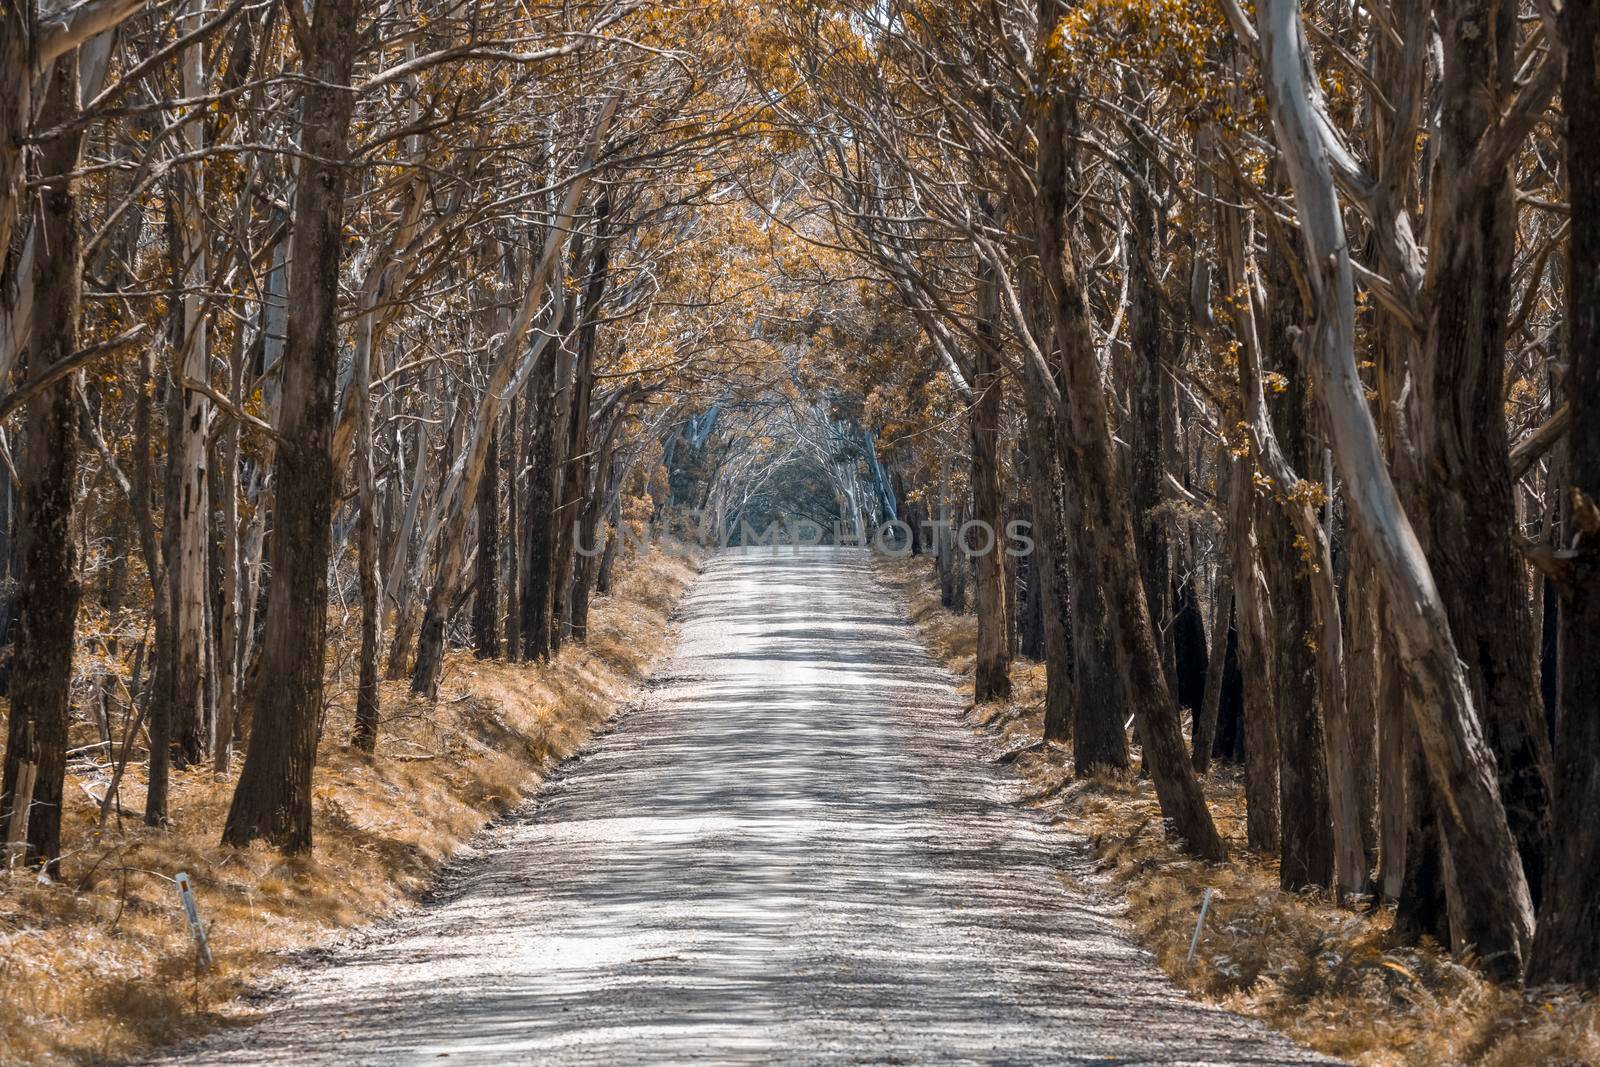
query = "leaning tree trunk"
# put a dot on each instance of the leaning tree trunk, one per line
(1098, 482)
(1567, 948)
(47, 576)
(273, 797)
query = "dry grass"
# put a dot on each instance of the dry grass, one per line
(1324, 975)
(100, 966)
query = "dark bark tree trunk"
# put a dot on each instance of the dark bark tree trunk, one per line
(1254, 625)
(1146, 436)
(575, 469)
(1204, 733)
(1047, 567)
(273, 797)
(486, 604)
(47, 578)
(367, 695)
(1421, 910)
(1098, 483)
(595, 498)
(16, 109)
(984, 540)
(608, 561)
(1361, 692)
(1393, 730)
(368, 698)
(1466, 519)
(1029, 607)
(158, 684)
(513, 537)
(1306, 842)
(1098, 698)
(1567, 945)
(1189, 646)
(564, 408)
(538, 514)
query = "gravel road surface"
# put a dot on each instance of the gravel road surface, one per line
(791, 850)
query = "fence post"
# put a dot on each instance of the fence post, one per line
(1194, 942)
(186, 894)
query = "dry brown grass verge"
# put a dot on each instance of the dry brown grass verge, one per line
(101, 966)
(1326, 976)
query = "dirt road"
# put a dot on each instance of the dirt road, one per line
(791, 851)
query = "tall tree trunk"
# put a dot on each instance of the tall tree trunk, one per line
(984, 541)
(538, 514)
(608, 562)
(273, 797)
(1254, 623)
(157, 690)
(595, 498)
(368, 700)
(575, 471)
(486, 607)
(1047, 573)
(1305, 857)
(47, 577)
(189, 414)
(1567, 948)
(1146, 436)
(228, 629)
(1204, 733)
(1393, 759)
(1099, 484)
(1361, 693)
(184, 532)
(513, 537)
(1459, 429)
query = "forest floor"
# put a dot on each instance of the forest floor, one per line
(100, 966)
(1326, 976)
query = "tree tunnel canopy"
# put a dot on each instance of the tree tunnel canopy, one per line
(1275, 322)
